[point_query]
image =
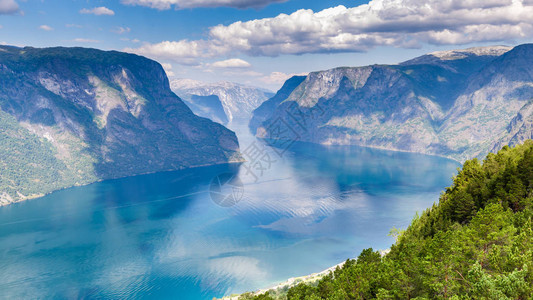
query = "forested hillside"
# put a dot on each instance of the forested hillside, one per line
(73, 116)
(476, 243)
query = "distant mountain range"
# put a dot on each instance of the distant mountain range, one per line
(237, 100)
(72, 116)
(458, 104)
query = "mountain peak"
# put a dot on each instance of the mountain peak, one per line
(478, 51)
(525, 51)
(450, 56)
(456, 103)
(72, 116)
(182, 83)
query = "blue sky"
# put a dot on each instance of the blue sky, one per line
(262, 42)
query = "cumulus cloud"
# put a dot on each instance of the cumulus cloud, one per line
(397, 23)
(231, 63)
(401, 23)
(184, 52)
(168, 69)
(46, 28)
(177, 4)
(99, 11)
(8, 7)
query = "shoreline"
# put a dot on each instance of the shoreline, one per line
(33, 197)
(293, 281)
(237, 161)
(288, 283)
(376, 148)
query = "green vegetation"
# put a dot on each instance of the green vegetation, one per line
(20, 150)
(477, 243)
(73, 116)
(30, 166)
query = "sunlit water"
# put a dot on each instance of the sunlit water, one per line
(162, 235)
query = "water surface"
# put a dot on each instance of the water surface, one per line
(162, 235)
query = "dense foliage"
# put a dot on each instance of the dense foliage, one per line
(29, 165)
(477, 243)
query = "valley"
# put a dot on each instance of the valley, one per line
(107, 152)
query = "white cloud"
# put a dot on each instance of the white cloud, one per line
(83, 40)
(167, 4)
(121, 30)
(168, 69)
(125, 39)
(231, 63)
(402, 23)
(46, 28)
(397, 23)
(8, 7)
(99, 11)
(184, 52)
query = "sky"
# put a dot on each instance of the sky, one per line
(264, 42)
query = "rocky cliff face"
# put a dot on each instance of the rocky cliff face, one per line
(264, 111)
(238, 100)
(459, 104)
(208, 107)
(71, 116)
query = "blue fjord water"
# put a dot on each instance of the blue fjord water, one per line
(164, 236)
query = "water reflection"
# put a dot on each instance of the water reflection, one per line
(161, 235)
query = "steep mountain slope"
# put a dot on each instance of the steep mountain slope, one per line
(520, 128)
(238, 100)
(208, 107)
(459, 104)
(72, 116)
(262, 113)
(482, 114)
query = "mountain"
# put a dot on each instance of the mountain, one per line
(262, 113)
(208, 107)
(458, 104)
(474, 244)
(238, 100)
(72, 116)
